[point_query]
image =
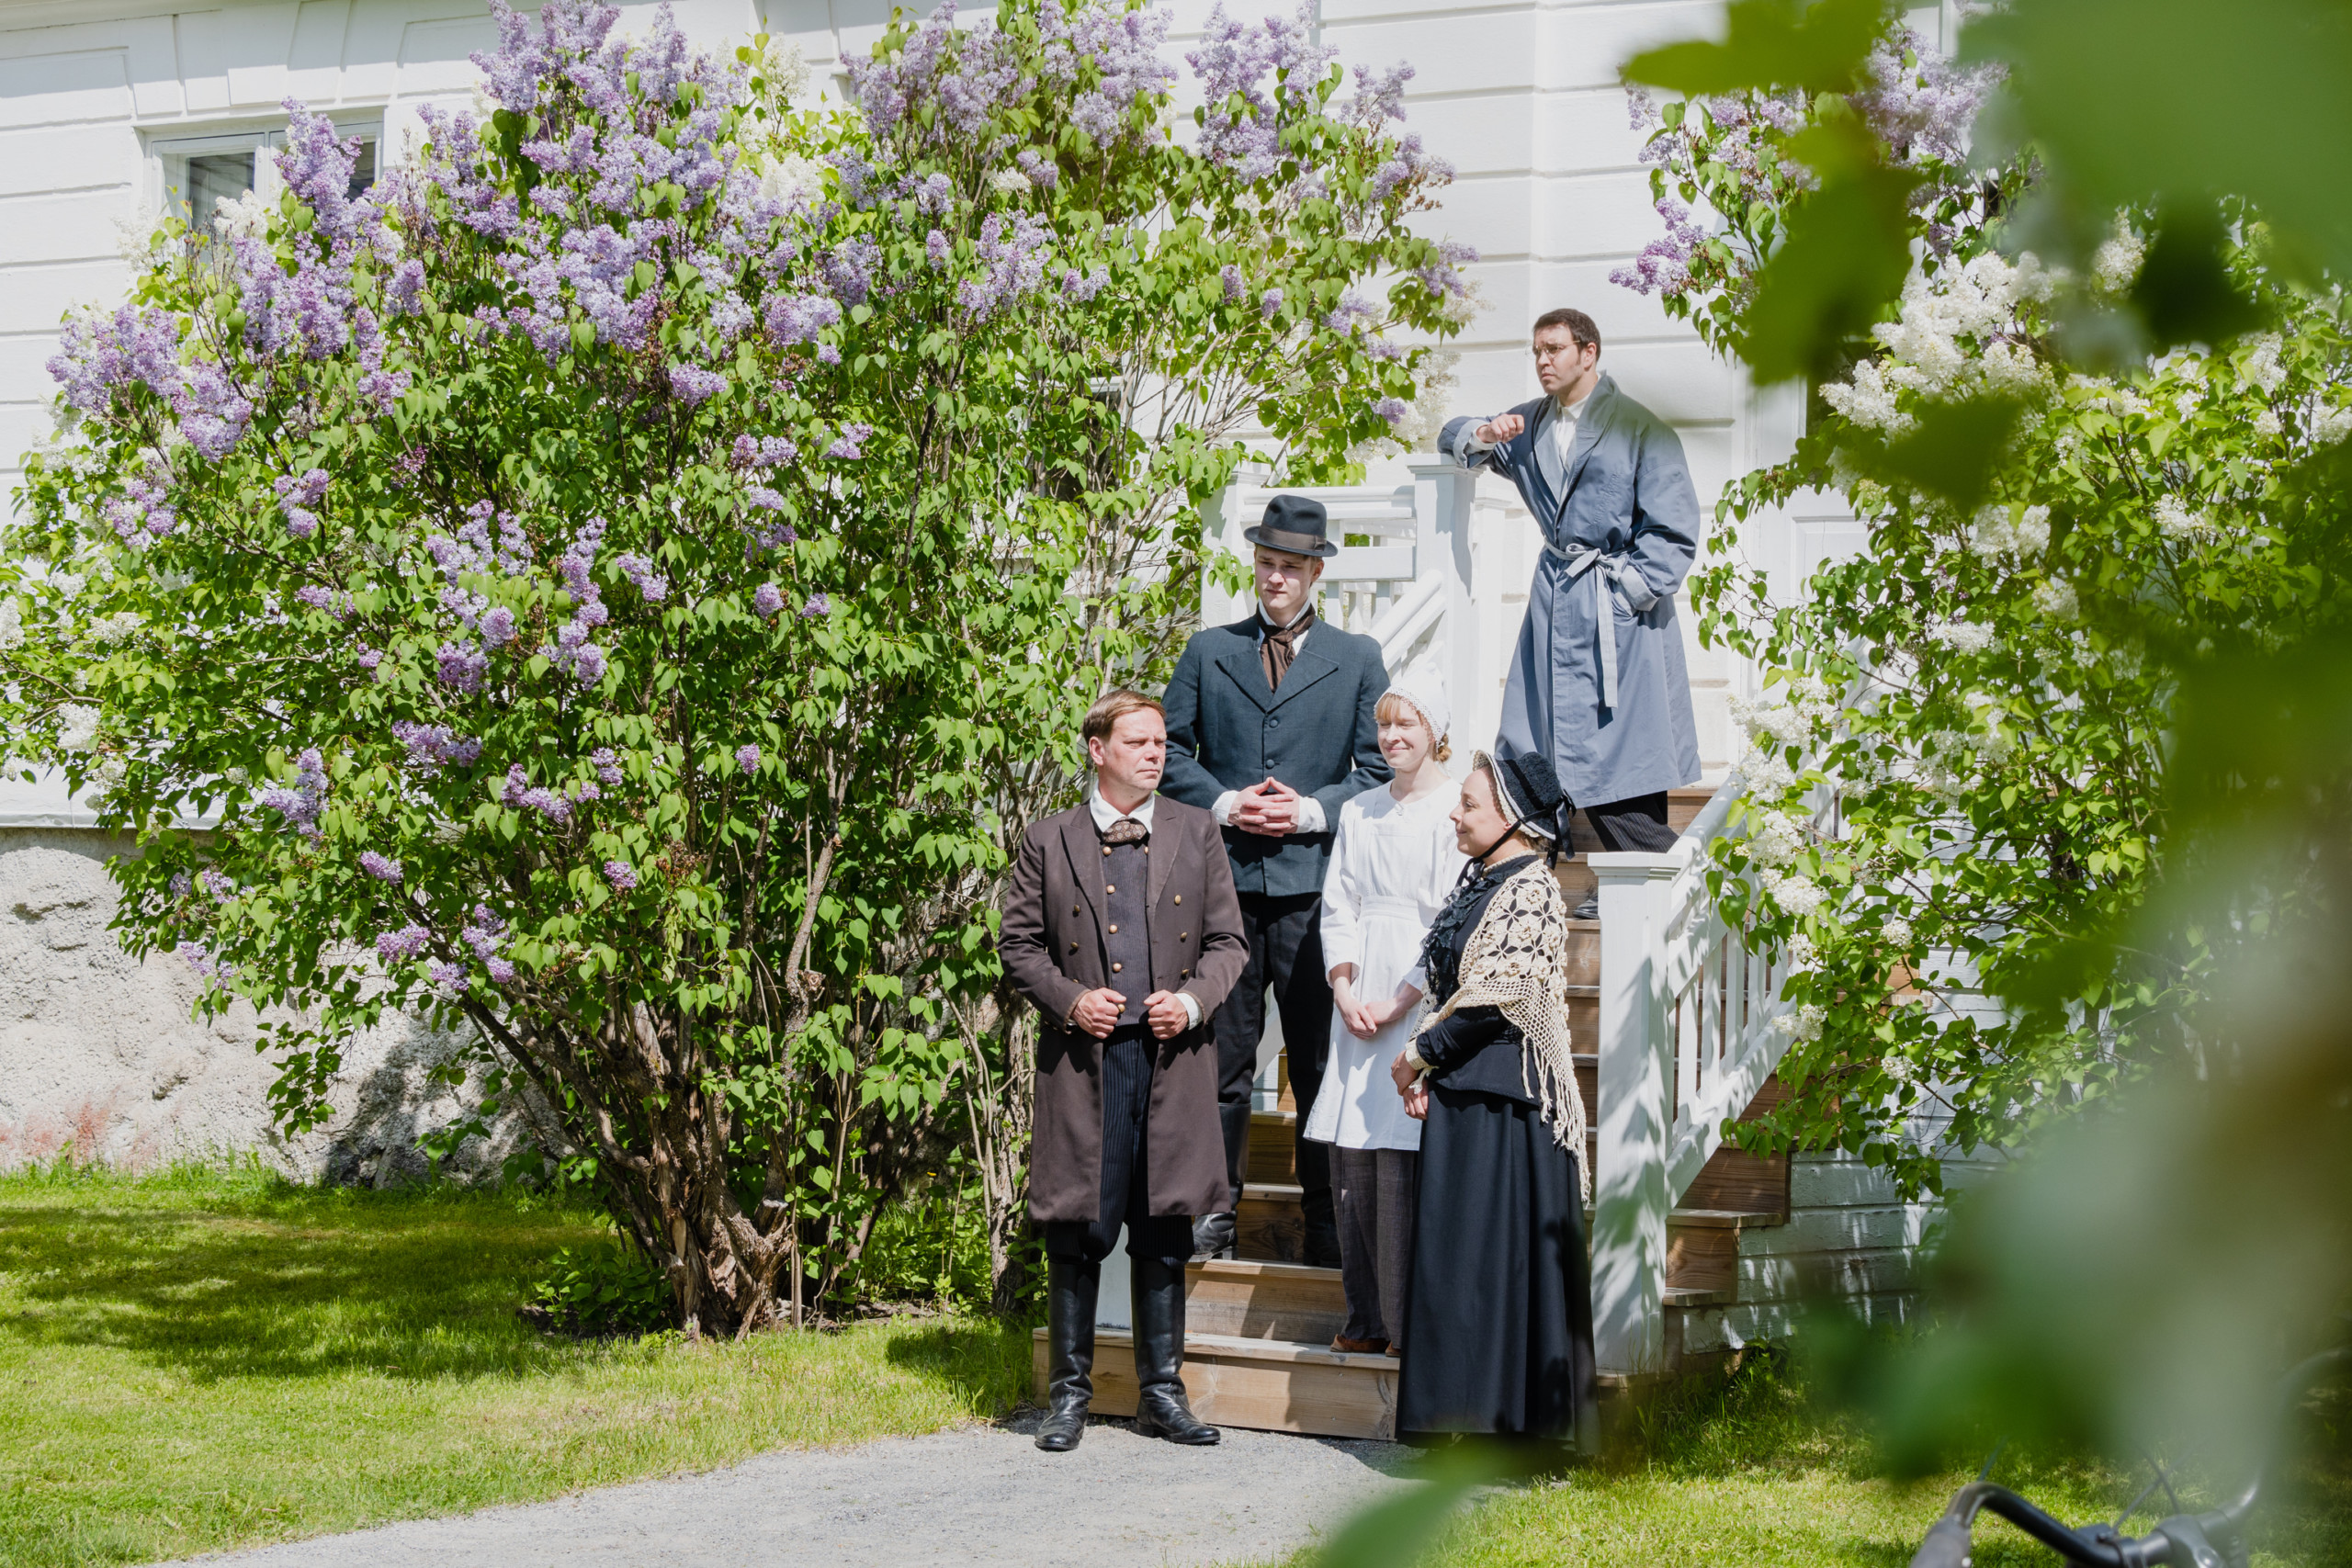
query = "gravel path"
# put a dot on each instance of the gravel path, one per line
(980, 1495)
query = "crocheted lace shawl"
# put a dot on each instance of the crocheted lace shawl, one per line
(1517, 960)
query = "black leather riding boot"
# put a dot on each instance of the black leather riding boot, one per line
(1160, 1409)
(1070, 1289)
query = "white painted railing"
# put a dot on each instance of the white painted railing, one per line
(1687, 1039)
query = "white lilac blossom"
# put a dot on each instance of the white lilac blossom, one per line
(1803, 1024)
(1800, 895)
(381, 867)
(2330, 425)
(2174, 521)
(2262, 369)
(1896, 931)
(1961, 637)
(301, 802)
(2268, 425)
(77, 726)
(2033, 532)
(2117, 262)
(2055, 597)
(1777, 841)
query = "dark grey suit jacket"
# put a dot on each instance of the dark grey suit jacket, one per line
(1228, 729)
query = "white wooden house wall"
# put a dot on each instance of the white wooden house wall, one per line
(1521, 95)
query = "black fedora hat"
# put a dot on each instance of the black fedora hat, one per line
(1295, 524)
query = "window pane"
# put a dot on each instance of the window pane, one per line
(362, 169)
(215, 177)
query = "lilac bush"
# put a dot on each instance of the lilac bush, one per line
(613, 580)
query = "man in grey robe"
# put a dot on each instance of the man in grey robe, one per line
(1597, 683)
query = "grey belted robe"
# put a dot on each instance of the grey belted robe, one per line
(1620, 528)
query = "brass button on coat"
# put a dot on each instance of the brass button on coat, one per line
(1110, 887)
(1180, 898)
(1115, 930)
(1117, 967)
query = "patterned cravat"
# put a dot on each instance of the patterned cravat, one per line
(1126, 831)
(1280, 648)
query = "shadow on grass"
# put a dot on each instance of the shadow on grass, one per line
(293, 1283)
(984, 1360)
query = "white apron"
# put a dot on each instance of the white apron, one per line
(1392, 867)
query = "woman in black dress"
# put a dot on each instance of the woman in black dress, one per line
(1498, 1310)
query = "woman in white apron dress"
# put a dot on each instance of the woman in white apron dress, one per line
(1394, 863)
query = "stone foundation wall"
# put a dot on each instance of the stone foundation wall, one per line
(102, 1052)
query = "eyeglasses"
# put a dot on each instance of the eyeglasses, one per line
(1553, 351)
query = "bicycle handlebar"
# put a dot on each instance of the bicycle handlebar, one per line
(2184, 1541)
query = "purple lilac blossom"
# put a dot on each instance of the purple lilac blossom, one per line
(607, 763)
(1240, 129)
(1268, 304)
(381, 867)
(1663, 265)
(767, 451)
(524, 795)
(819, 605)
(851, 442)
(767, 599)
(694, 385)
(1924, 109)
(1234, 287)
(651, 586)
(432, 746)
(1013, 257)
(746, 757)
(1394, 410)
(394, 947)
(621, 876)
(498, 627)
(301, 802)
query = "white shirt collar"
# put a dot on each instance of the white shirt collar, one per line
(1266, 619)
(1105, 812)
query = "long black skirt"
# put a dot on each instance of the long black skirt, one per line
(1498, 1314)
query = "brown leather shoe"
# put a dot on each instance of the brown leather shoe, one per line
(1397, 1352)
(1347, 1346)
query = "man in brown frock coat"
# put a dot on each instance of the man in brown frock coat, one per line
(1122, 926)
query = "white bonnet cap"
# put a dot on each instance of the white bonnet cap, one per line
(1426, 693)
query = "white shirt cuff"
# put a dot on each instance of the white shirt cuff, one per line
(1192, 1008)
(1223, 809)
(1310, 815)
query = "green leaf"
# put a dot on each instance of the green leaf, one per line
(1844, 260)
(1819, 45)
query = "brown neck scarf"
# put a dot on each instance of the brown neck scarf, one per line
(1280, 646)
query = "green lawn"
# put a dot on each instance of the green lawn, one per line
(1751, 1475)
(200, 1360)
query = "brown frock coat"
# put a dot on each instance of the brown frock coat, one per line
(1051, 943)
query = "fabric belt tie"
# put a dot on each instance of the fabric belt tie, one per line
(1616, 570)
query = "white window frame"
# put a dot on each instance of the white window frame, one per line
(168, 155)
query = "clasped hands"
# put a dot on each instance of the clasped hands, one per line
(1411, 1086)
(1098, 1011)
(1497, 430)
(1361, 1019)
(1269, 809)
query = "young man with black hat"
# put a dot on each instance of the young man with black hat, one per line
(1271, 728)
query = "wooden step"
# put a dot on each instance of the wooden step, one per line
(1250, 1299)
(1272, 1223)
(1733, 1179)
(1702, 1247)
(1267, 1385)
(1274, 1148)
